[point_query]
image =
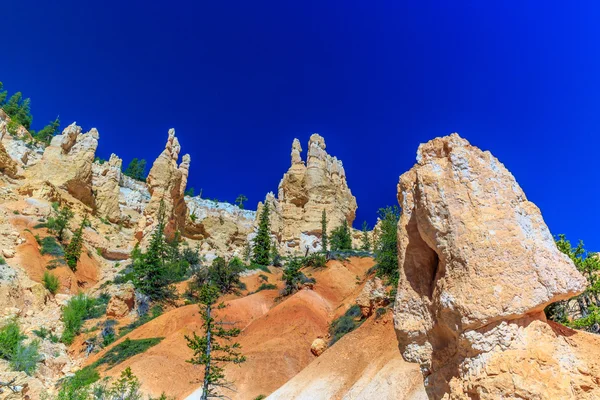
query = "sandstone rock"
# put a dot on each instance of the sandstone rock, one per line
(304, 192)
(105, 183)
(121, 302)
(7, 165)
(223, 227)
(67, 163)
(318, 346)
(373, 296)
(477, 267)
(166, 181)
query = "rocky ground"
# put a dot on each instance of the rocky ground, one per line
(477, 267)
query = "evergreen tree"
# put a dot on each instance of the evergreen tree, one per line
(136, 169)
(214, 347)
(262, 241)
(240, 201)
(60, 221)
(226, 275)
(386, 248)
(19, 110)
(3, 94)
(46, 134)
(341, 238)
(150, 273)
(366, 244)
(189, 192)
(588, 303)
(275, 256)
(73, 250)
(324, 238)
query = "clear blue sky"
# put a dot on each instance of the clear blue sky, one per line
(240, 80)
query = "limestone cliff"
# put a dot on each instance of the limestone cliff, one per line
(166, 182)
(304, 192)
(477, 267)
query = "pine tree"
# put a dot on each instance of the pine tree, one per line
(324, 238)
(341, 238)
(366, 244)
(214, 347)
(240, 201)
(59, 223)
(46, 134)
(136, 169)
(150, 272)
(386, 248)
(262, 241)
(19, 110)
(73, 250)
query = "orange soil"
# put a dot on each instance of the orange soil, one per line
(29, 258)
(365, 363)
(275, 339)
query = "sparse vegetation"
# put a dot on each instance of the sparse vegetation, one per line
(262, 241)
(150, 272)
(386, 250)
(22, 357)
(213, 348)
(588, 303)
(324, 237)
(341, 238)
(366, 243)
(51, 282)
(73, 251)
(2, 261)
(345, 324)
(240, 200)
(126, 349)
(60, 221)
(315, 260)
(155, 312)
(77, 310)
(136, 169)
(17, 108)
(84, 385)
(293, 277)
(266, 286)
(51, 246)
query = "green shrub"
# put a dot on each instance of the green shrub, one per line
(155, 312)
(10, 339)
(21, 357)
(263, 278)
(77, 310)
(266, 286)
(315, 260)
(345, 324)
(260, 397)
(253, 266)
(84, 377)
(52, 247)
(51, 282)
(126, 349)
(26, 357)
(380, 312)
(42, 333)
(2, 260)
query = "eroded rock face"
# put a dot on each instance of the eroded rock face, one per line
(7, 165)
(304, 192)
(105, 183)
(166, 181)
(223, 227)
(122, 302)
(477, 267)
(372, 296)
(67, 163)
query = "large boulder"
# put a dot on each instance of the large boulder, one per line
(166, 183)
(67, 163)
(305, 191)
(477, 267)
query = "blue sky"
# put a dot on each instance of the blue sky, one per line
(239, 80)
